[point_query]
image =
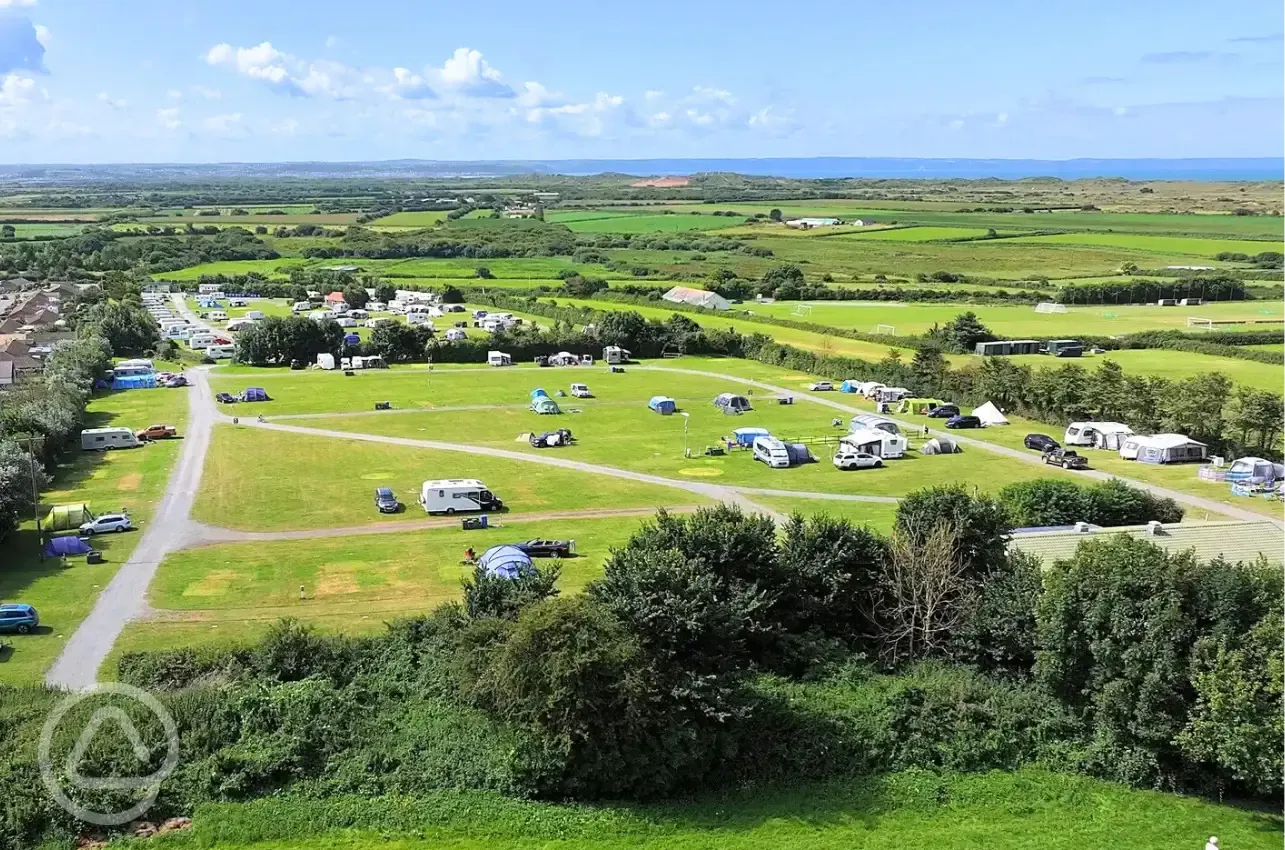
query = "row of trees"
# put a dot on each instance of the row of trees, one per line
(100, 249)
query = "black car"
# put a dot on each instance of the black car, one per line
(549, 439)
(945, 411)
(1065, 458)
(386, 501)
(546, 548)
(963, 422)
(1041, 442)
(225, 398)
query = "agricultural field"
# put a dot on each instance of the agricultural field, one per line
(918, 234)
(1167, 245)
(53, 228)
(426, 218)
(133, 480)
(651, 223)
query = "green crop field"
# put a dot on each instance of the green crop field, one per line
(105, 481)
(426, 218)
(1017, 321)
(651, 223)
(28, 231)
(1168, 245)
(917, 234)
(1177, 365)
(1025, 810)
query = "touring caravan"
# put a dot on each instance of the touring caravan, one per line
(201, 340)
(451, 495)
(220, 352)
(106, 439)
(218, 316)
(875, 441)
(1099, 435)
(874, 421)
(498, 358)
(301, 307)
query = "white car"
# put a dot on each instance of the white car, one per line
(821, 386)
(856, 460)
(106, 523)
(581, 391)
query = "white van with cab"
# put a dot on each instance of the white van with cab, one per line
(772, 452)
(451, 495)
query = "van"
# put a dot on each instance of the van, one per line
(106, 439)
(772, 452)
(220, 352)
(451, 495)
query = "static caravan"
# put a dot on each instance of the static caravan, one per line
(877, 442)
(218, 316)
(220, 352)
(498, 358)
(106, 439)
(1099, 435)
(1163, 448)
(452, 495)
(874, 421)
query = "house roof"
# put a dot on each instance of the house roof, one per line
(335, 297)
(1234, 541)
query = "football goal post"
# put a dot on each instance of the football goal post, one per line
(1198, 322)
(1050, 307)
(802, 310)
(890, 330)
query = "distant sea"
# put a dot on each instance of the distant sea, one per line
(1264, 168)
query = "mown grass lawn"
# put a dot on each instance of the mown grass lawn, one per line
(1027, 810)
(256, 479)
(232, 592)
(1190, 245)
(107, 481)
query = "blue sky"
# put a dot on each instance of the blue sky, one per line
(226, 80)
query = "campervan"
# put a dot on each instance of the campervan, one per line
(220, 352)
(451, 495)
(772, 452)
(106, 439)
(615, 355)
(498, 358)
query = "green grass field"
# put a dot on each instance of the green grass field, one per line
(918, 234)
(426, 218)
(651, 223)
(1027, 810)
(332, 481)
(1176, 365)
(109, 481)
(231, 592)
(1170, 245)
(27, 231)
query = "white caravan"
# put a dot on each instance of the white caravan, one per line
(106, 439)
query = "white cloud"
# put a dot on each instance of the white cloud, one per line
(331, 41)
(42, 33)
(773, 121)
(283, 72)
(174, 94)
(410, 86)
(16, 90)
(653, 94)
(227, 124)
(660, 120)
(114, 103)
(535, 95)
(11, 4)
(469, 73)
(169, 118)
(207, 93)
(709, 95)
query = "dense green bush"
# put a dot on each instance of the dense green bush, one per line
(1053, 501)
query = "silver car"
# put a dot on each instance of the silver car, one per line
(106, 523)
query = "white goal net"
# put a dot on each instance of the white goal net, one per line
(802, 310)
(891, 330)
(1050, 307)
(1198, 322)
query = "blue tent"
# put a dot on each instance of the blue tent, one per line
(254, 394)
(351, 339)
(537, 392)
(134, 382)
(745, 436)
(662, 404)
(850, 387)
(68, 545)
(505, 562)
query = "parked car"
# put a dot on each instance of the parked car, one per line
(176, 381)
(944, 411)
(225, 398)
(963, 422)
(546, 548)
(581, 391)
(550, 439)
(157, 432)
(1065, 458)
(386, 501)
(848, 459)
(1041, 443)
(821, 386)
(18, 617)
(106, 523)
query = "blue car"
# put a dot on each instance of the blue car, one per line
(963, 422)
(17, 617)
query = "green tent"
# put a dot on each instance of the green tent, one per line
(918, 405)
(67, 517)
(544, 404)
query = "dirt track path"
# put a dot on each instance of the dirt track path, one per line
(1025, 457)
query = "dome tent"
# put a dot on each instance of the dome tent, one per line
(537, 392)
(505, 562)
(1255, 470)
(663, 405)
(939, 446)
(544, 404)
(68, 544)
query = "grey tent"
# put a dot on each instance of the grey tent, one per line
(939, 446)
(732, 403)
(544, 404)
(505, 562)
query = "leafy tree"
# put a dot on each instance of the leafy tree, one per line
(489, 595)
(385, 291)
(279, 340)
(484, 273)
(8, 231)
(452, 295)
(620, 327)
(356, 296)
(980, 522)
(997, 634)
(583, 287)
(929, 366)
(17, 467)
(126, 326)
(828, 567)
(961, 334)
(399, 343)
(774, 214)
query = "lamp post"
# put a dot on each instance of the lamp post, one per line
(687, 418)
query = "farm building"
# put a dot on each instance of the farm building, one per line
(876, 441)
(809, 223)
(1163, 448)
(1006, 347)
(697, 298)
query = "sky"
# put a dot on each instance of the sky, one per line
(100, 81)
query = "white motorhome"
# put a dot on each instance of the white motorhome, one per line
(220, 352)
(452, 495)
(615, 355)
(772, 452)
(498, 358)
(106, 439)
